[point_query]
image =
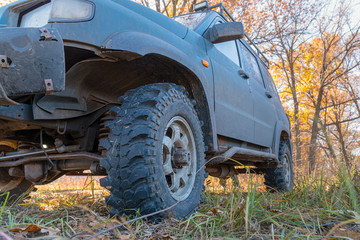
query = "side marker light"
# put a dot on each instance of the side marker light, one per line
(205, 63)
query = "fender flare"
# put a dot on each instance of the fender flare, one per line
(139, 44)
(280, 127)
(143, 44)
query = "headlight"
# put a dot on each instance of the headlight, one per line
(58, 11)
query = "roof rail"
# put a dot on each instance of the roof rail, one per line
(229, 17)
(259, 52)
(222, 10)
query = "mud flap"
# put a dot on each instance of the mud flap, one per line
(31, 62)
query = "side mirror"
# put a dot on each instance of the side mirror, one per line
(224, 32)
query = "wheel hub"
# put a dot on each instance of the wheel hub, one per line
(179, 158)
(287, 171)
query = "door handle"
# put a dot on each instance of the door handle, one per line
(243, 74)
(268, 94)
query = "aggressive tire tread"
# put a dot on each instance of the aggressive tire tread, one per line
(131, 149)
(275, 177)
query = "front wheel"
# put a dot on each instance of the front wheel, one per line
(17, 188)
(154, 153)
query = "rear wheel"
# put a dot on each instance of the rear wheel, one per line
(154, 153)
(281, 179)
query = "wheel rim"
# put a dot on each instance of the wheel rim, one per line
(287, 171)
(179, 158)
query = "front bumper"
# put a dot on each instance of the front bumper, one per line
(32, 61)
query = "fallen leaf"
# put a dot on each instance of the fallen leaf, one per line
(275, 211)
(32, 229)
(15, 230)
(215, 212)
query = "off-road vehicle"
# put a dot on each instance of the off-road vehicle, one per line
(151, 103)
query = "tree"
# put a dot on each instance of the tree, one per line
(170, 8)
(341, 119)
(290, 22)
(335, 54)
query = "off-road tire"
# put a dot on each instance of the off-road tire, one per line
(281, 179)
(134, 152)
(17, 194)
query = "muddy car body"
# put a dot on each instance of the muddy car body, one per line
(101, 85)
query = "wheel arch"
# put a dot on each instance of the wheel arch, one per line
(281, 134)
(194, 84)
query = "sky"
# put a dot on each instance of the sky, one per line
(355, 18)
(356, 13)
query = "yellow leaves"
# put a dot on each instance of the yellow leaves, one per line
(305, 87)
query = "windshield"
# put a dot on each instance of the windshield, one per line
(191, 20)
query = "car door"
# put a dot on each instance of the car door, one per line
(265, 115)
(233, 102)
(270, 85)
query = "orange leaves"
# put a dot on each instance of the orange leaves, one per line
(15, 230)
(24, 233)
(30, 229)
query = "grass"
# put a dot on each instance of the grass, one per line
(319, 208)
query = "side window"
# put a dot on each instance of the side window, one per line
(269, 79)
(250, 64)
(229, 49)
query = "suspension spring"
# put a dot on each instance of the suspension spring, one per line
(103, 130)
(25, 145)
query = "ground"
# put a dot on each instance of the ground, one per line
(74, 208)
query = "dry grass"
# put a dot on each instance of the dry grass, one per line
(318, 208)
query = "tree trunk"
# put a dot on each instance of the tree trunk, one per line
(342, 144)
(315, 131)
(157, 4)
(328, 140)
(297, 131)
(296, 112)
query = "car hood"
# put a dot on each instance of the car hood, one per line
(158, 18)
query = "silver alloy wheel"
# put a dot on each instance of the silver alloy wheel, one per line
(287, 171)
(179, 158)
